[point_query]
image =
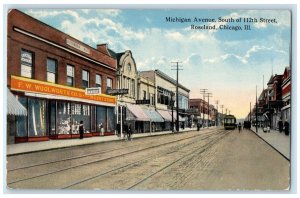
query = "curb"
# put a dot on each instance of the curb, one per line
(270, 145)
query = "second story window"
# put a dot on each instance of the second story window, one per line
(70, 75)
(98, 81)
(109, 83)
(85, 78)
(26, 64)
(144, 95)
(51, 70)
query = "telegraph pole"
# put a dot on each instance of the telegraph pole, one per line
(208, 96)
(217, 121)
(222, 106)
(177, 99)
(256, 110)
(203, 91)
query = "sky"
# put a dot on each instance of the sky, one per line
(229, 63)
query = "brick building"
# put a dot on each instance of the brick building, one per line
(48, 71)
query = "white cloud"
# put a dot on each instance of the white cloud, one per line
(174, 36)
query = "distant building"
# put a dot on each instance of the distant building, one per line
(286, 95)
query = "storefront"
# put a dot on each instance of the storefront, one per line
(55, 111)
(136, 117)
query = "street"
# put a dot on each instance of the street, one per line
(210, 159)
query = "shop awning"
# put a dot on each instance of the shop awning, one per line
(14, 107)
(165, 114)
(153, 115)
(181, 119)
(138, 112)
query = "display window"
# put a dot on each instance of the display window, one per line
(37, 117)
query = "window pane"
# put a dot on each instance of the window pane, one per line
(37, 110)
(26, 58)
(98, 79)
(85, 84)
(101, 118)
(50, 77)
(70, 81)
(26, 71)
(52, 117)
(63, 117)
(109, 83)
(51, 65)
(85, 75)
(111, 119)
(21, 120)
(70, 71)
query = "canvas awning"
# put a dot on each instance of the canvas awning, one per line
(181, 119)
(14, 107)
(165, 114)
(138, 113)
(153, 115)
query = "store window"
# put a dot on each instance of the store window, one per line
(99, 81)
(51, 70)
(101, 118)
(37, 117)
(109, 83)
(22, 120)
(26, 64)
(111, 119)
(63, 117)
(93, 118)
(52, 114)
(85, 78)
(70, 75)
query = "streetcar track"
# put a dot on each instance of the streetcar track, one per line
(108, 158)
(95, 153)
(141, 161)
(208, 145)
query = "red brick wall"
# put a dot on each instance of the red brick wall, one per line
(41, 50)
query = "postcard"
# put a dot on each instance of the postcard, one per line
(149, 99)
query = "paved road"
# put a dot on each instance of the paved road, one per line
(206, 160)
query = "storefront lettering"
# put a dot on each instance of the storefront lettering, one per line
(24, 84)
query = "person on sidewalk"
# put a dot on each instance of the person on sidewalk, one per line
(280, 126)
(81, 130)
(129, 133)
(118, 129)
(101, 129)
(286, 128)
(198, 126)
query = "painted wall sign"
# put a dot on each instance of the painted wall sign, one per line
(77, 46)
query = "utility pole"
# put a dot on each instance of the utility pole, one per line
(217, 121)
(222, 106)
(177, 99)
(250, 113)
(256, 111)
(203, 91)
(208, 96)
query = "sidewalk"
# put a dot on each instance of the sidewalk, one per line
(29, 147)
(279, 141)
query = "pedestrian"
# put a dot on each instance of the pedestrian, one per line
(101, 129)
(119, 129)
(240, 127)
(129, 133)
(81, 129)
(286, 128)
(198, 126)
(280, 126)
(125, 130)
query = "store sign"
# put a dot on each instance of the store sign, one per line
(93, 91)
(117, 91)
(36, 86)
(77, 46)
(142, 102)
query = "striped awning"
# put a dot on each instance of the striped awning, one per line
(153, 115)
(138, 113)
(14, 107)
(181, 119)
